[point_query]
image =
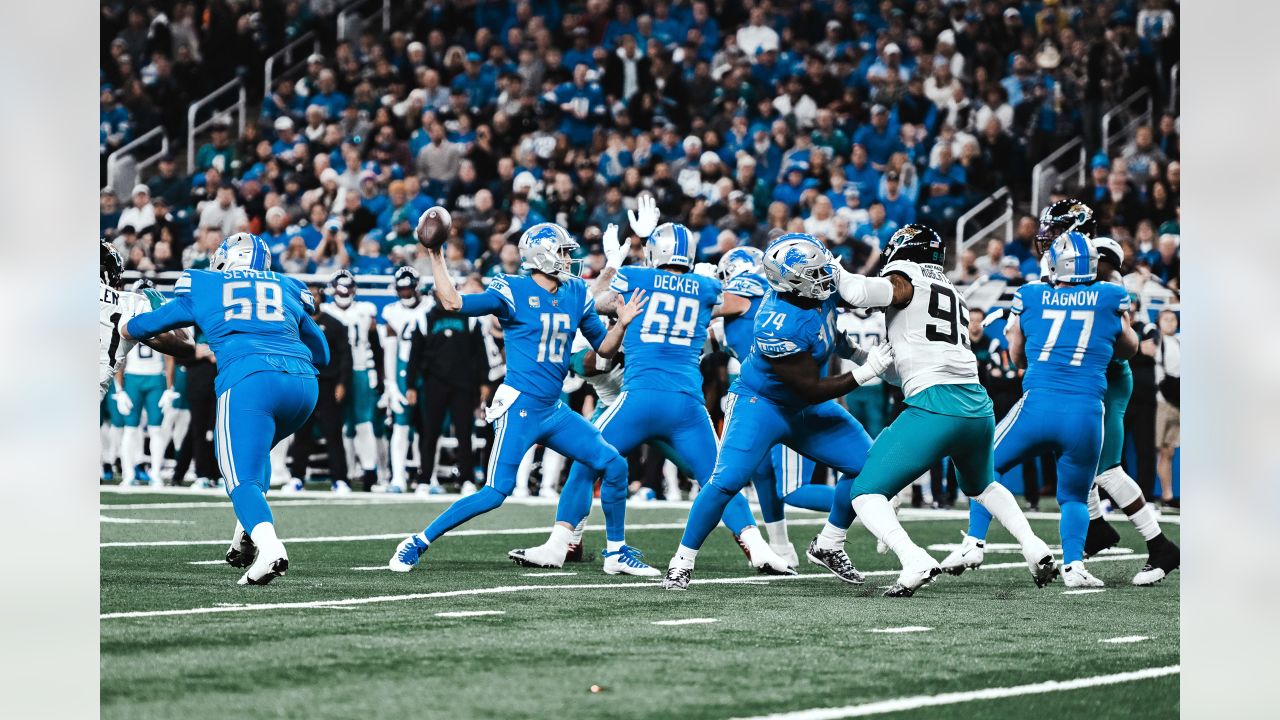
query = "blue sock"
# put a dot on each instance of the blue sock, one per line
(841, 514)
(575, 496)
(1073, 527)
(250, 505)
(706, 512)
(812, 497)
(737, 514)
(979, 520)
(613, 498)
(771, 508)
(479, 503)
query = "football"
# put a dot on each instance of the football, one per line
(433, 227)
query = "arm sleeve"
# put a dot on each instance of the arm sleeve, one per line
(863, 291)
(591, 326)
(175, 314)
(1018, 306)
(313, 337)
(620, 284)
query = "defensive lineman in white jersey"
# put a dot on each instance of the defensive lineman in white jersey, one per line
(401, 319)
(359, 317)
(114, 304)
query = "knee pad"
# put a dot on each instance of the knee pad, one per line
(1119, 486)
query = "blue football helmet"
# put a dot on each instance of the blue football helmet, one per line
(546, 248)
(738, 261)
(670, 244)
(799, 263)
(242, 251)
(1073, 259)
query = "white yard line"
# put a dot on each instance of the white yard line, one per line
(922, 701)
(686, 621)
(548, 574)
(752, 579)
(907, 629)
(470, 613)
(1125, 639)
(137, 521)
(1086, 591)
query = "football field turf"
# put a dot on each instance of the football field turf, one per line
(470, 635)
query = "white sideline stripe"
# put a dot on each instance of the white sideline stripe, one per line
(1086, 591)
(136, 521)
(686, 621)
(364, 568)
(548, 574)
(907, 629)
(922, 701)
(655, 583)
(1125, 639)
(207, 562)
(470, 613)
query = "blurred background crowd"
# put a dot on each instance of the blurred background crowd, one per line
(328, 127)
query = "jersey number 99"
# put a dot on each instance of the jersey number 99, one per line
(954, 316)
(268, 306)
(669, 319)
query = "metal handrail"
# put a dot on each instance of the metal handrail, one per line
(1173, 89)
(1005, 218)
(114, 158)
(239, 106)
(350, 16)
(285, 55)
(1037, 172)
(1133, 122)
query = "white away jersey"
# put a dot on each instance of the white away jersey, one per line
(142, 360)
(112, 305)
(930, 335)
(358, 317)
(403, 320)
(864, 331)
(608, 386)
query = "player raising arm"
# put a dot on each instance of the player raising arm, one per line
(539, 314)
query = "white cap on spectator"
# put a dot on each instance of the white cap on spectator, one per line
(833, 24)
(1012, 13)
(524, 181)
(418, 46)
(284, 122)
(275, 212)
(328, 174)
(333, 223)
(315, 58)
(691, 143)
(892, 49)
(947, 36)
(1010, 261)
(140, 188)
(709, 158)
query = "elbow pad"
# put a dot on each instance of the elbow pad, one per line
(863, 291)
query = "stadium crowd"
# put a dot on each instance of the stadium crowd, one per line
(845, 119)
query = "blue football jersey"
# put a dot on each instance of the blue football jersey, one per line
(783, 329)
(538, 328)
(1070, 334)
(740, 332)
(251, 320)
(664, 344)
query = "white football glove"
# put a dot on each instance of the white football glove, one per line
(645, 219)
(997, 314)
(395, 400)
(705, 270)
(879, 359)
(123, 402)
(167, 398)
(857, 353)
(614, 252)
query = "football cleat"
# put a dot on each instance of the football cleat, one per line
(1074, 575)
(340, 487)
(1101, 536)
(678, 578)
(407, 554)
(107, 473)
(1163, 559)
(788, 553)
(542, 556)
(967, 557)
(837, 561)
(293, 486)
(627, 561)
(267, 567)
(1040, 560)
(577, 555)
(768, 562)
(920, 572)
(396, 488)
(469, 488)
(242, 551)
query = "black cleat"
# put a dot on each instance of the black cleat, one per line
(1101, 537)
(1164, 557)
(677, 578)
(837, 561)
(244, 555)
(278, 568)
(1045, 572)
(901, 590)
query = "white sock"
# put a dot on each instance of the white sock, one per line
(877, 515)
(561, 537)
(614, 545)
(778, 533)
(1001, 504)
(366, 446)
(399, 452)
(264, 536)
(235, 534)
(578, 531)
(1147, 522)
(684, 557)
(552, 466)
(832, 537)
(159, 443)
(524, 471)
(754, 541)
(130, 451)
(1095, 502)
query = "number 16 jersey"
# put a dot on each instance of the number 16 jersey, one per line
(664, 344)
(930, 335)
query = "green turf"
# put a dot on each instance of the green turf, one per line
(788, 645)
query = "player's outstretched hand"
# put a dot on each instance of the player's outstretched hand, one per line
(629, 311)
(614, 252)
(880, 358)
(167, 398)
(645, 219)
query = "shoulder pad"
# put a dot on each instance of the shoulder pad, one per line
(183, 285)
(905, 267)
(747, 285)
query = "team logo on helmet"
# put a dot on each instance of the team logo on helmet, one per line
(546, 248)
(110, 264)
(1064, 216)
(798, 263)
(916, 243)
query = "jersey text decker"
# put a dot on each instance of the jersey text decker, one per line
(1070, 334)
(784, 329)
(664, 344)
(930, 336)
(538, 327)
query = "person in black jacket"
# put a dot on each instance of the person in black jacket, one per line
(449, 356)
(328, 413)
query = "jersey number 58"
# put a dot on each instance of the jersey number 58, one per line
(269, 305)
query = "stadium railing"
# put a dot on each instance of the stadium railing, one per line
(125, 160)
(1047, 172)
(351, 22)
(240, 107)
(285, 57)
(1000, 197)
(1173, 92)
(1126, 109)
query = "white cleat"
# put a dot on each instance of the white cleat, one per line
(919, 572)
(1074, 575)
(341, 487)
(788, 554)
(268, 566)
(407, 555)
(1040, 560)
(543, 556)
(293, 486)
(469, 488)
(628, 561)
(967, 557)
(769, 562)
